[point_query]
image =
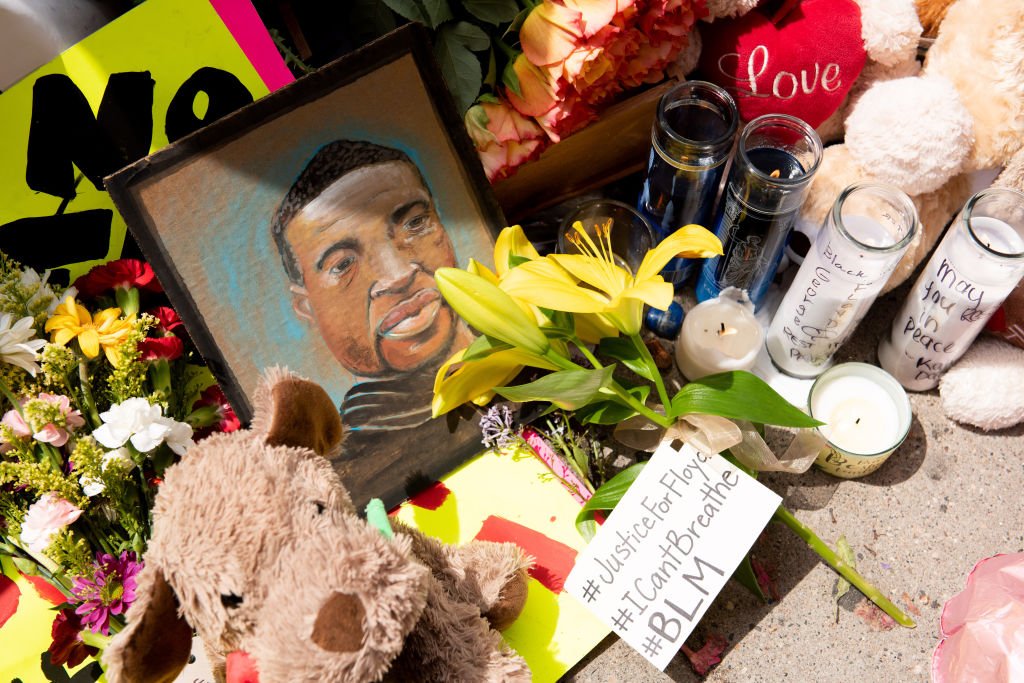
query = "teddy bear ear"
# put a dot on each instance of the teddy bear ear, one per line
(290, 410)
(155, 645)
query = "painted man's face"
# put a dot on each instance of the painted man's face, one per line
(368, 247)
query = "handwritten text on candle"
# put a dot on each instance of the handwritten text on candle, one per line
(812, 329)
(667, 550)
(944, 296)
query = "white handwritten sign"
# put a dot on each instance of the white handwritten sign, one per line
(669, 547)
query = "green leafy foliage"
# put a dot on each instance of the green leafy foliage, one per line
(567, 389)
(623, 349)
(484, 346)
(430, 12)
(606, 498)
(740, 396)
(612, 411)
(492, 11)
(454, 47)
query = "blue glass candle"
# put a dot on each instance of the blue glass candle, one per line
(691, 139)
(775, 161)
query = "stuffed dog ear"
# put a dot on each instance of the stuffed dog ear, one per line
(294, 411)
(155, 645)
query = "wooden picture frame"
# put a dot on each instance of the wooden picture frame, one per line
(303, 231)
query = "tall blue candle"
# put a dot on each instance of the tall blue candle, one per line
(690, 143)
(775, 161)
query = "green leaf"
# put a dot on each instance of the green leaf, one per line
(567, 389)
(846, 554)
(410, 9)
(459, 66)
(511, 78)
(517, 23)
(470, 35)
(623, 349)
(197, 378)
(491, 77)
(437, 11)
(746, 577)
(606, 498)
(740, 396)
(492, 11)
(369, 19)
(614, 410)
(514, 260)
(484, 346)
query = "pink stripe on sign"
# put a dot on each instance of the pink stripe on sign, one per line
(248, 30)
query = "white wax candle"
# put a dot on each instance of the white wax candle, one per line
(719, 335)
(836, 284)
(956, 294)
(860, 416)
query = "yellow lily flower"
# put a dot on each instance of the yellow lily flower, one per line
(591, 282)
(106, 330)
(489, 310)
(476, 380)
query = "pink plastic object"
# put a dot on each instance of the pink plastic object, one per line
(983, 626)
(565, 475)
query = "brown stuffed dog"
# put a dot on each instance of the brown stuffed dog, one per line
(257, 547)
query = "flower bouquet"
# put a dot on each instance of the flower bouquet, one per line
(93, 417)
(578, 318)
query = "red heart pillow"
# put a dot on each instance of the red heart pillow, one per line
(802, 63)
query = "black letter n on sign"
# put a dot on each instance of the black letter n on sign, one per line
(64, 131)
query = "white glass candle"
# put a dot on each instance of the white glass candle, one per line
(867, 416)
(865, 235)
(975, 267)
(719, 335)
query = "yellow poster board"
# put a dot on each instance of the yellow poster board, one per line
(161, 70)
(516, 498)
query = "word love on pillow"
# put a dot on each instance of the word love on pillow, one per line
(802, 61)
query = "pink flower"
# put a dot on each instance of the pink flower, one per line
(983, 625)
(14, 420)
(44, 519)
(110, 590)
(550, 32)
(539, 89)
(566, 117)
(503, 137)
(51, 433)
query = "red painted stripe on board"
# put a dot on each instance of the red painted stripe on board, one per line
(554, 560)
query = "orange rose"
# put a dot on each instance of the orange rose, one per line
(504, 138)
(550, 32)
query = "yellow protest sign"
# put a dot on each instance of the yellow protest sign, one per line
(159, 72)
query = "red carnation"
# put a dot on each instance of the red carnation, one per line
(161, 348)
(67, 649)
(213, 396)
(123, 273)
(166, 317)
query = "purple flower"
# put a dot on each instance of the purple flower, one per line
(110, 590)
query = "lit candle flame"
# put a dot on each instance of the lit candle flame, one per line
(775, 173)
(725, 331)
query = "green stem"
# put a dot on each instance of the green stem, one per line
(97, 640)
(561, 361)
(639, 407)
(659, 383)
(90, 404)
(846, 571)
(586, 351)
(509, 52)
(11, 397)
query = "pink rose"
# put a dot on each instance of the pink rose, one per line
(44, 519)
(539, 88)
(550, 32)
(503, 137)
(51, 433)
(566, 117)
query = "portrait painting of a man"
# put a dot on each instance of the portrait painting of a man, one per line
(305, 232)
(360, 239)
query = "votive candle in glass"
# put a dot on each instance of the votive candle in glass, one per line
(691, 141)
(867, 416)
(865, 235)
(975, 267)
(719, 335)
(631, 235)
(775, 160)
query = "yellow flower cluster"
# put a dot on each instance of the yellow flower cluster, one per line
(106, 330)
